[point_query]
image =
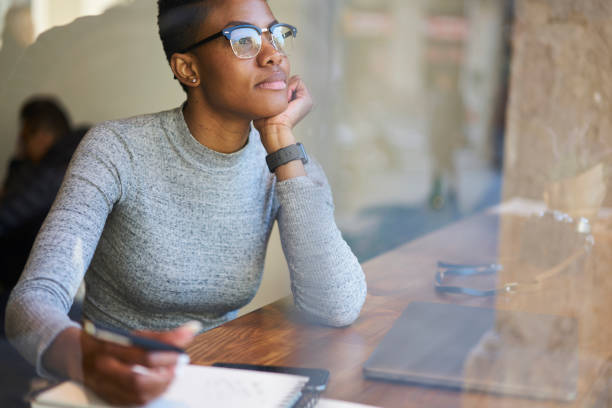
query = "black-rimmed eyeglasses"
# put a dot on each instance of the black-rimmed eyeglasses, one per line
(246, 42)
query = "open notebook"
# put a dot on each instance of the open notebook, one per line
(195, 386)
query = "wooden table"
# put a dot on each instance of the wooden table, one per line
(277, 334)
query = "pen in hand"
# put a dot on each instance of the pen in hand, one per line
(127, 339)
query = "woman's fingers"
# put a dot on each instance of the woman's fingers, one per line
(298, 90)
(119, 383)
(135, 355)
(180, 337)
(131, 375)
(292, 88)
(129, 355)
(301, 102)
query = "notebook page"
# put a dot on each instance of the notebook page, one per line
(196, 386)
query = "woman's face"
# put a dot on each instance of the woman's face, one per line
(248, 88)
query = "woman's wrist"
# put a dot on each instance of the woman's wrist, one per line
(275, 137)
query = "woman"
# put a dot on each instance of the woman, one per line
(170, 213)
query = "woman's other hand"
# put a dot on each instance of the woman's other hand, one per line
(276, 131)
(122, 375)
(108, 369)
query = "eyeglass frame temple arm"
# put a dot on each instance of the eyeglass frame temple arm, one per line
(201, 42)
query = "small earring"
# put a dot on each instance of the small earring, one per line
(194, 80)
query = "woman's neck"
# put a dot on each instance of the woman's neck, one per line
(221, 134)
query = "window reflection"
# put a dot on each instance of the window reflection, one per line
(410, 97)
(410, 122)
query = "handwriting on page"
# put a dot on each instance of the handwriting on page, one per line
(198, 386)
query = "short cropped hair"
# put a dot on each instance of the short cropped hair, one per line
(45, 113)
(179, 23)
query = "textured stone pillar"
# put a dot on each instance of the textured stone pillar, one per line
(558, 150)
(559, 122)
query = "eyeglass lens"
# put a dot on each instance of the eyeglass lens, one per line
(246, 41)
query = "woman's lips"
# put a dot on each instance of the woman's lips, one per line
(274, 85)
(276, 81)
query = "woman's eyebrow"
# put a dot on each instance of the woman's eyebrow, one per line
(235, 23)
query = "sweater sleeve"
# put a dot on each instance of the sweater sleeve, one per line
(38, 307)
(327, 282)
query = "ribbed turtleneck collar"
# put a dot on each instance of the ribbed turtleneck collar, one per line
(182, 138)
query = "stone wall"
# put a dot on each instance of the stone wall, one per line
(559, 148)
(559, 122)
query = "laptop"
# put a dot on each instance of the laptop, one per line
(471, 348)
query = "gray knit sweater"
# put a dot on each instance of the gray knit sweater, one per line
(170, 231)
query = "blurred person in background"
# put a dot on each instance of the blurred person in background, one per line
(45, 146)
(78, 61)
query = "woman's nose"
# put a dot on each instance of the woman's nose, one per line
(269, 54)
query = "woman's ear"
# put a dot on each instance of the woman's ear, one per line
(185, 70)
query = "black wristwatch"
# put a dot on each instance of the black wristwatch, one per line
(285, 155)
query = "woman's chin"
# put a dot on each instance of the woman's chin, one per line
(271, 109)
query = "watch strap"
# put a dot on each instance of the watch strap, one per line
(285, 155)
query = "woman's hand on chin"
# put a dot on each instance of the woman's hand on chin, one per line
(276, 131)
